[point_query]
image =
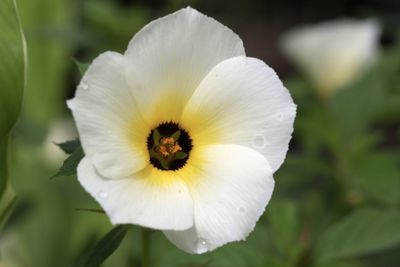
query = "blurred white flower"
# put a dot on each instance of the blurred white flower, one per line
(59, 132)
(183, 132)
(333, 54)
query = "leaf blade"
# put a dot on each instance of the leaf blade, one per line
(70, 164)
(363, 231)
(106, 246)
(69, 146)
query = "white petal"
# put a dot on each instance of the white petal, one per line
(140, 199)
(170, 56)
(111, 130)
(234, 188)
(242, 101)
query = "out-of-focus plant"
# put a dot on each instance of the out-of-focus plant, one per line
(49, 26)
(333, 54)
(348, 174)
(12, 83)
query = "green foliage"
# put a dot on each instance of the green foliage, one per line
(284, 226)
(363, 231)
(70, 146)
(106, 246)
(12, 82)
(71, 163)
(12, 78)
(12, 67)
(49, 27)
(82, 67)
(378, 176)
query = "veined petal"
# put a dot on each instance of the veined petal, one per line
(112, 131)
(170, 56)
(141, 199)
(242, 101)
(234, 188)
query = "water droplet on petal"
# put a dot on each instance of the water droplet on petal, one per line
(202, 245)
(84, 86)
(242, 210)
(279, 116)
(259, 141)
(103, 194)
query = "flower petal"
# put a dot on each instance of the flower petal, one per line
(335, 53)
(112, 131)
(170, 56)
(139, 199)
(234, 188)
(242, 101)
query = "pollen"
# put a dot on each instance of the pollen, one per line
(168, 147)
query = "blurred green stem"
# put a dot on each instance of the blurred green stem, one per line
(145, 247)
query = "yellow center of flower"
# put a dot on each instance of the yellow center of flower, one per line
(169, 146)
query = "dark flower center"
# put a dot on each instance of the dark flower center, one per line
(169, 146)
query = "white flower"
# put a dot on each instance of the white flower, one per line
(333, 54)
(183, 132)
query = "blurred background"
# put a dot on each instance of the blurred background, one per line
(337, 196)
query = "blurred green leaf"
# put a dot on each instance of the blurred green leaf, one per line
(12, 78)
(106, 246)
(379, 176)
(284, 225)
(355, 107)
(363, 231)
(81, 66)
(47, 24)
(342, 264)
(70, 146)
(91, 210)
(6, 205)
(70, 164)
(107, 22)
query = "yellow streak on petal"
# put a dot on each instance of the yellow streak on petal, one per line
(168, 106)
(138, 132)
(201, 127)
(190, 173)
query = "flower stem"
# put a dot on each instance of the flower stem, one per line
(145, 247)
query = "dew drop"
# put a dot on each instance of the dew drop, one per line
(242, 210)
(259, 141)
(103, 194)
(279, 116)
(84, 86)
(202, 245)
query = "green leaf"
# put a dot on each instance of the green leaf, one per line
(81, 66)
(364, 231)
(378, 176)
(284, 225)
(6, 205)
(106, 246)
(91, 210)
(48, 25)
(70, 164)
(12, 78)
(70, 146)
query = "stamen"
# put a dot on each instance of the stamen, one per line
(169, 146)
